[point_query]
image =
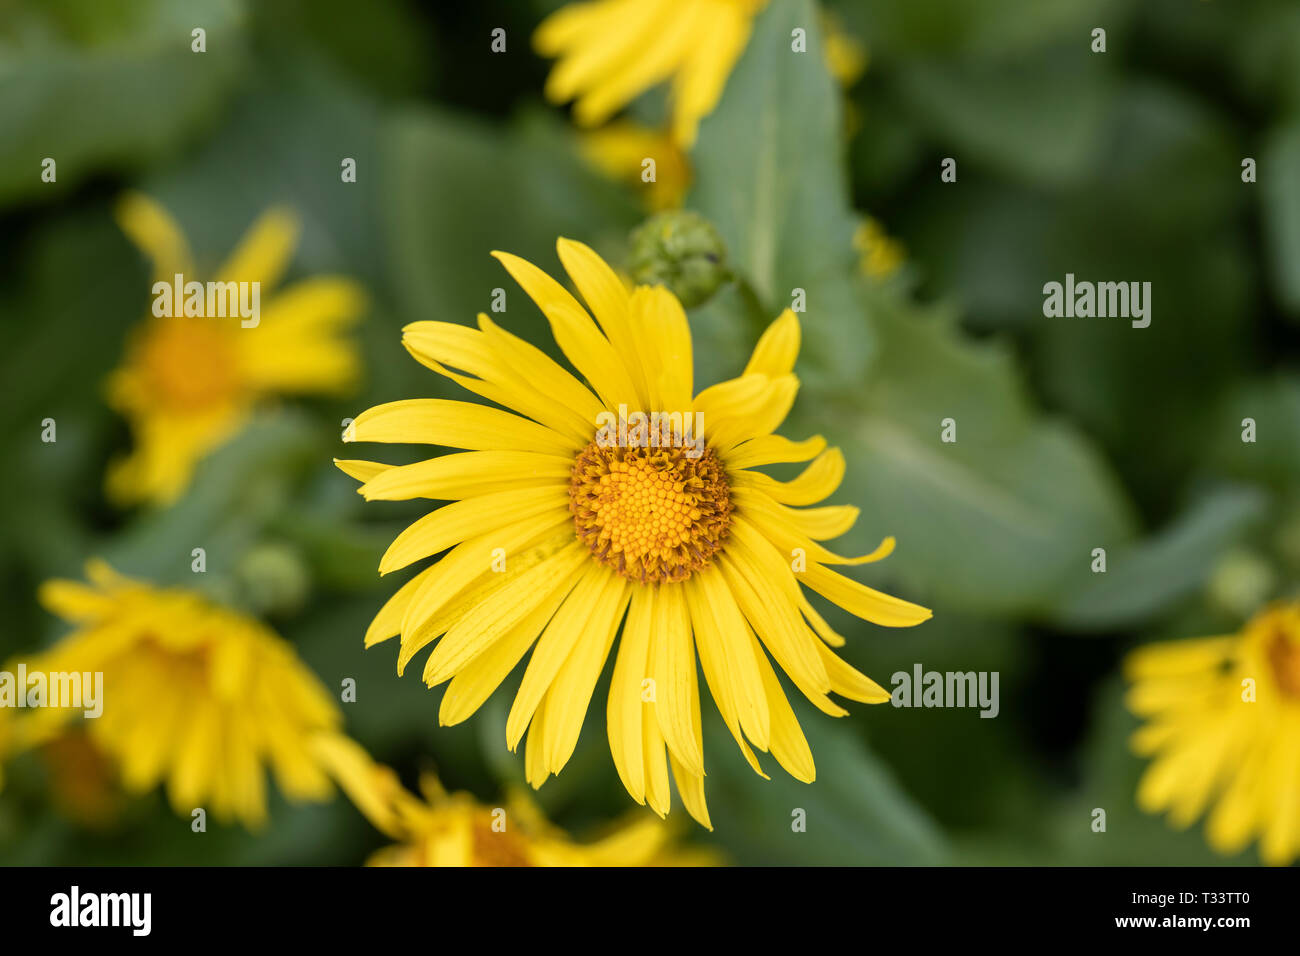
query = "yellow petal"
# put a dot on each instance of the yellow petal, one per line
(814, 483)
(691, 788)
(597, 588)
(436, 421)
(264, 253)
(676, 696)
(570, 692)
(443, 346)
(773, 450)
(862, 601)
(495, 617)
(467, 475)
(155, 232)
(360, 470)
(576, 334)
(454, 523)
(624, 708)
(777, 348)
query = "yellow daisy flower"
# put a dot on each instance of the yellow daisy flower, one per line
(611, 51)
(559, 527)
(620, 150)
(189, 382)
(1223, 729)
(194, 695)
(455, 829)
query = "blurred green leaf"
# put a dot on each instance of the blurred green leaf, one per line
(456, 189)
(1003, 519)
(236, 491)
(1279, 186)
(1146, 578)
(1110, 775)
(1173, 174)
(119, 90)
(770, 176)
(855, 813)
(1014, 119)
(1273, 404)
(990, 30)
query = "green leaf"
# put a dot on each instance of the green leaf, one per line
(1273, 404)
(1011, 117)
(97, 86)
(1003, 518)
(854, 814)
(770, 176)
(236, 492)
(1279, 185)
(457, 189)
(1109, 781)
(1148, 577)
(988, 30)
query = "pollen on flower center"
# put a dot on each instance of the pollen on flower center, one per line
(651, 514)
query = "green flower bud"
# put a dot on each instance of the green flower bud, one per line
(1241, 582)
(681, 251)
(273, 579)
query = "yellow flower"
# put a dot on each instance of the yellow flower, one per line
(189, 382)
(194, 695)
(1223, 727)
(879, 256)
(611, 51)
(455, 829)
(620, 150)
(558, 527)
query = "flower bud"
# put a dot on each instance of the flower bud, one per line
(681, 251)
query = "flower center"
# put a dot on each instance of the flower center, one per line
(651, 514)
(188, 363)
(496, 847)
(1284, 656)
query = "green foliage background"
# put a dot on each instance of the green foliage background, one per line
(1073, 434)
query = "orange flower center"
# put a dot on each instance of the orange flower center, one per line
(1284, 656)
(651, 514)
(497, 847)
(189, 363)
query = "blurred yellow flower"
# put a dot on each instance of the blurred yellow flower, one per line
(558, 527)
(455, 829)
(620, 151)
(190, 381)
(879, 256)
(611, 51)
(1223, 729)
(194, 696)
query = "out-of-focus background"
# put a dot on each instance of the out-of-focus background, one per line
(1073, 434)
